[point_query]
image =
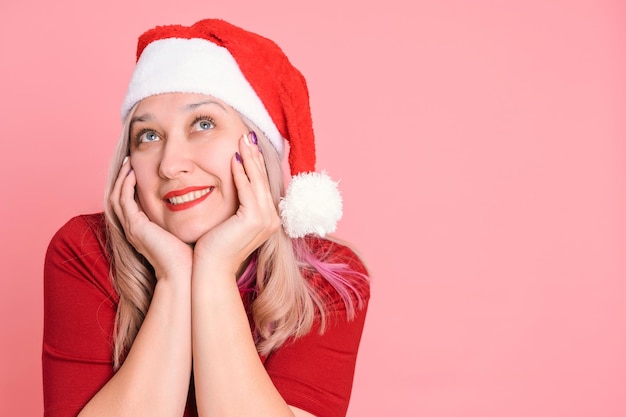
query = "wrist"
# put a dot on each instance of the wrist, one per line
(214, 265)
(175, 283)
(174, 280)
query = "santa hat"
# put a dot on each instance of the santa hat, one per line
(251, 74)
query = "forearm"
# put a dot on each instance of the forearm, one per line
(154, 379)
(229, 377)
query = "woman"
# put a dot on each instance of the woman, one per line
(191, 295)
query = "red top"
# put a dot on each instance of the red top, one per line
(313, 373)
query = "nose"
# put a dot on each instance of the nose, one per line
(176, 159)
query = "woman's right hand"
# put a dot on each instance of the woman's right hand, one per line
(168, 255)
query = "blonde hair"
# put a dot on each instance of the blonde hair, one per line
(283, 304)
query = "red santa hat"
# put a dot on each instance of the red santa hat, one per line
(253, 75)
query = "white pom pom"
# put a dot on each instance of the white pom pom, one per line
(312, 205)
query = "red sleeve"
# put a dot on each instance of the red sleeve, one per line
(315, 372)
(79, 315)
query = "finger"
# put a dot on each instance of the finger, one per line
(256, 208)
(114, 198)
(253, 163)
(259, 154)
(127, 194)
(263, 177)
(242, 182)
(134, 220)
(256, 150)
(253, 185)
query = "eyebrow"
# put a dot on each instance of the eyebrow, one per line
(143, 118)
(193, 106)
(186, 108)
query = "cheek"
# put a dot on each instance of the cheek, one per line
(145, 187)
(217, 163)
(220, 168)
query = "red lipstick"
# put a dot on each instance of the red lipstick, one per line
(185, 198)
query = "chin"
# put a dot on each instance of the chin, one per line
(192, 228)
(190, 236)
(191, 232)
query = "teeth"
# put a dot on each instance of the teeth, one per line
(194, 195)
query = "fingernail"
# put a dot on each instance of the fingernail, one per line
(238, 157)
(125, 160)
(245, 139)
(253, 138)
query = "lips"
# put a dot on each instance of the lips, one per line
(187, 197)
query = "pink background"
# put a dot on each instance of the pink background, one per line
(481, 151)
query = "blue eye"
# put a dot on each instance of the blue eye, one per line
(148, 136)
(203, 123)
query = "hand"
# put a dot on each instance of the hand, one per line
(230, 243)
(167, 254)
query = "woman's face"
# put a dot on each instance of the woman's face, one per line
(181, 147)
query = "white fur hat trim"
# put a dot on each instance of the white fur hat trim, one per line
(176, 65)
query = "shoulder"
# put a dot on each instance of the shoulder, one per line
(78, 249)
(80, 228)
(80, 305)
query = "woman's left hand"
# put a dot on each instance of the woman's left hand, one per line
(230, 243)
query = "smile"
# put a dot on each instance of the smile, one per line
(186, 198)
(194, 195)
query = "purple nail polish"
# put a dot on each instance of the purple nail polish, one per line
(253, 138)
(238, 157)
